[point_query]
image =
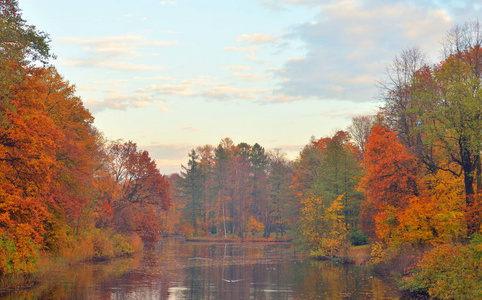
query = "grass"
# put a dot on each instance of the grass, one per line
(359, 255)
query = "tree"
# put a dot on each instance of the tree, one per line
(396, 94)
(391, 177)
(28, 147)
(359, 131)
(307, 168)
(20, 46)
(191, 187)
(223, 156)
(340, 174)
(283, 208)
(142, 188)
(260, 205)
(323, 226)
(450, 105)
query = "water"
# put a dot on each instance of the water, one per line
(181, 270)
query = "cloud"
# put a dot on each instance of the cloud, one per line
(284, 98)
(118, 101)
(229, 93)
(252, 56)
(87, 88)
(257, 38)
(114, 65)
(156, 78)
(350, 43)
(116, 45)
(250, 77)
(355, 111)
(237, 68)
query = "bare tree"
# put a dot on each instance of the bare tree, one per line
(359, 131)
(395, 93)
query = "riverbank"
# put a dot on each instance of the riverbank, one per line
(214, 239)
(92, 246)
(359, 255)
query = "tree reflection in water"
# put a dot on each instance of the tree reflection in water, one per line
(174, 269)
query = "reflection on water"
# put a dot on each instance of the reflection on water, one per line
(180, 270)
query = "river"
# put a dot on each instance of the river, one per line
(175, 269)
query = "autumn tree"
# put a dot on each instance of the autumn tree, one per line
(21, 45)
(322, 226)
(27, 156)
(450, 109)
(391, 178)
(143, 191)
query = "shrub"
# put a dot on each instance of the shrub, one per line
(358, 238)
(449, 272)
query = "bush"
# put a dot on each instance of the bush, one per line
(358, 238)
(449, 272)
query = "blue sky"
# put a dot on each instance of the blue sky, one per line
(174, 75)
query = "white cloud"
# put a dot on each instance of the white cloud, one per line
(87, 88)
(250, 77)
(156, 78)
(283, 98)
(114, 65)
(237, 68)
(228, 93)
(116, 45)
(257, 38)
(350, 42)
(117, 100)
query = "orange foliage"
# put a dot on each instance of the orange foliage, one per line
(406, 209)
(392, 172)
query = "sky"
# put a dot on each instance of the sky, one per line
(174, 75)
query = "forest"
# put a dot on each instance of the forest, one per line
(405, 180)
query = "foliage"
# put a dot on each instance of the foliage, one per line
(358, 238)
(322, 225)
(449, 272)
(254, 226)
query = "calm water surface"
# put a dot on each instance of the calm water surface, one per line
(179, 270)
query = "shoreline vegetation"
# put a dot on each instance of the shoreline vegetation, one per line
(92, 248)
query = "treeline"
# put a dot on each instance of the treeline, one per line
(64, 189)
(244, 190)
(232, 190)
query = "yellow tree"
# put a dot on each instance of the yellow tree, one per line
(322, 225)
